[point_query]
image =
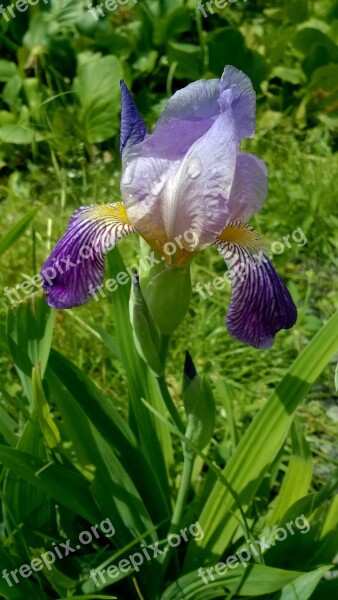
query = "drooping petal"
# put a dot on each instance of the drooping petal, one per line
(76, 266)
(260, 303)
(236, 91)
(249, 189)
(178, 196)
(133, 129)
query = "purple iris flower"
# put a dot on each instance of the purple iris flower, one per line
(188, 175)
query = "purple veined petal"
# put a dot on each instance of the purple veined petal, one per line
(133, 129)
(249, 189)
(260, 304)
(76, 265)
(236, 90)
(173, 197)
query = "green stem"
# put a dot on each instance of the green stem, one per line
(181, 500)
(170, 405)
(204, 47)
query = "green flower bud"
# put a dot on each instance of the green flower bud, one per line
(146, 335)
(167, 292)
(199, 406)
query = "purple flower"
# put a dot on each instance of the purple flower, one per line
(186, 176)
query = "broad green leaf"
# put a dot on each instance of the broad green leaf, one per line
(19, 133)
(188, 60)
(8, 70)
(309, 37)
(250, 460)
(17, 230)
(97, 86)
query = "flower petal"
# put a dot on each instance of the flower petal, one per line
(192, 110)
(76, 265)
(236, 91)
(188, 115)
(249, 189)
(133, 129)
(260, 303)
(191, 194)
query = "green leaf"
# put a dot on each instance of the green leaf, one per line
(111, 486)
(17, 230)
(47, 424)
(228, 46)
(97, 86)
(27, 508)
(153, 437)
(101, 412)
(7, 70)
(188, 59)
(8, 427)
(18, 133)
(29, 334)
(200, 409)
(250, 460)
(304, 586)
(173, 23)
(294, 487)
(250, 580)
(64, 485)
(294, 76)
(309, 37)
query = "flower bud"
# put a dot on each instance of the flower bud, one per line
(167, 292)
(146, 335)
(199, 406)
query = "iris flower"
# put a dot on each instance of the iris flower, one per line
(188, 175)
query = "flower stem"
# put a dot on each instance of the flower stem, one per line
(170, 404)
(180, 500)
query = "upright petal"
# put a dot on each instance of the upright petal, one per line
(192, 110)
(76, 266)
(236, 91)
(249, 189)
(260, 303)
(133, 129)
(173, 197)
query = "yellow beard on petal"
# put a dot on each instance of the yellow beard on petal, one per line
(108, 211)
(243, 235)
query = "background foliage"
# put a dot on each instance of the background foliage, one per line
(98, 449)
